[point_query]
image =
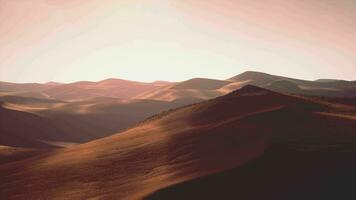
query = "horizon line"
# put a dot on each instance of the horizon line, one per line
(170, 81)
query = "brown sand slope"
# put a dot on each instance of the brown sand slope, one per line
(201, 84)
(203, 89)
(82, 90)
(25, 89)
(323, 87)
(288, 170)
(178, 146)
(107, 88)
(11, 154)
(6, 86)
(41, 123)
(21, 129)
(197, 88)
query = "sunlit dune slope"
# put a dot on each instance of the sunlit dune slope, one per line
(107, 88)
(6, 86)
(177, 146)
(201, 84)
(200, 88)
(197, 88)
(25, 89)
(323, 87)
(116, 88)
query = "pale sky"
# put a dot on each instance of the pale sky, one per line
(147, 40)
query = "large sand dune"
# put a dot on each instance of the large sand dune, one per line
(41, 123)
(184, 144)
(196, 89)
(200, 88)
(116, 88)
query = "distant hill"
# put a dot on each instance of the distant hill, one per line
(329, 80)
(196, 89)
(116, 88)
(200, 88)
(324, 87)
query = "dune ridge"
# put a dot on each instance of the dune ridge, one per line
(182, 145)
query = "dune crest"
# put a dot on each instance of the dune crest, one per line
(182, 145)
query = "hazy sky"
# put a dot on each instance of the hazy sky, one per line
(57, 40)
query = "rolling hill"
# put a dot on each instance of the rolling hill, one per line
(197, 89)
(115, 88)
(334, 88)
(203, 89)
(42, 123)
(232, 132)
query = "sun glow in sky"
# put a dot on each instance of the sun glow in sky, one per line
(147, 40)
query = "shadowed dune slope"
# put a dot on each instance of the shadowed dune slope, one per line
(11, 154)
(181, 145)
(287, 170)
(203, 89)
(20, 129)
(41, 123)
(322, 87)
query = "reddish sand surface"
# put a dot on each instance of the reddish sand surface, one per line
(183, 145)
(194, 89)
(115, 88)
(201, 88)
(41, 123)
(11, 154)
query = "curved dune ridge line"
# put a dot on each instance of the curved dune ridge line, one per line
(174, 147)
(196, 88)
(29, 122)
(109, 88)
(201, 88)
(11, 154)
(81, 90)
(201, 83)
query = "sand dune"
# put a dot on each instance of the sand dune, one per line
(21, 129)
(41, 123)
(203, 89)
(198, 88)
(290, 170)
(24, 89)
(184, 144)
(6, 86)
(82, 90)
(322, 87)
(200, 84)
(12, 154)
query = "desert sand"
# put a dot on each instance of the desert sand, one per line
(205, 139)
